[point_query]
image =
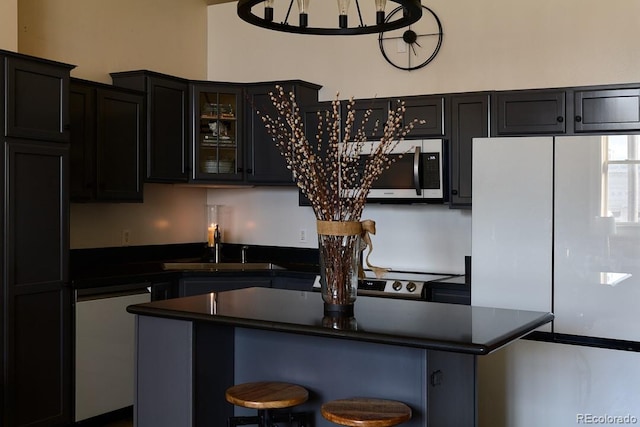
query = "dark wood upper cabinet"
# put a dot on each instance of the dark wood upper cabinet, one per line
(167, 118)
(264, 161)
(39, 102)
(119, 145)
(265, 164)
(107, 142)
(530, 112)
(469, 119)
(607, 110)
(229, 144)
(370, 116)
(82, 101)
(429, 109)
(311, 120)
(217, 137)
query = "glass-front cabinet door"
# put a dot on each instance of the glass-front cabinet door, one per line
(217, 147)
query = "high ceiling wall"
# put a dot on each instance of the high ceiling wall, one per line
(9, 25)
(489, 44)
(168, 36)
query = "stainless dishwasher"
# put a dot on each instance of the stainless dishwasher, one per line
(104, 348)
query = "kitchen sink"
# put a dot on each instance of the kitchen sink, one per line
(220, 266)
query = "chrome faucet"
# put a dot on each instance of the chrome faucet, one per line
(217, 239)
(243, 254)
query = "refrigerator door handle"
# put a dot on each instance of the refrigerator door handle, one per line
(416, 171)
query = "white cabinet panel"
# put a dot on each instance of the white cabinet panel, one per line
(511, 225)
(105, 342)
(597, 237)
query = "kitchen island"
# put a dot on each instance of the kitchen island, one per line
(189, 350)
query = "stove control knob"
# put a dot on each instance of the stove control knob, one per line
(411, 287)
(396, 286)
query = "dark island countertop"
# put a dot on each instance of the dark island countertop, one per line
(434, 326)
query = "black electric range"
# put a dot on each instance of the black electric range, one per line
(397, 284)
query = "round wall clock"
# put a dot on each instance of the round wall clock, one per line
(413, 47)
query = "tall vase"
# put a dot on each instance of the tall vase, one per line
(339, 262)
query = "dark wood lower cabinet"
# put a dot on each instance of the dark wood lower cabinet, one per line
(39, 364)
(203, 285)
(36, 301)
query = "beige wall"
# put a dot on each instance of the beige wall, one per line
(168, 36)
(489, 44)
(99, 37)
(9, 25)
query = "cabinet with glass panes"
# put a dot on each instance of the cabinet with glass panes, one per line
(217, 147)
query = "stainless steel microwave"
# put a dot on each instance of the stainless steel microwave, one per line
(417, 175)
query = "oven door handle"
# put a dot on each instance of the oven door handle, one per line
(416, 171)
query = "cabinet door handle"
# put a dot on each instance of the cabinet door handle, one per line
(249, 170)
(560, 119)
(436, 378)
(454, 192)
(578, 119)
(416, 171)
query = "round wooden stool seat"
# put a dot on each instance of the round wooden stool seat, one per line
(266, 395)
(366, 412)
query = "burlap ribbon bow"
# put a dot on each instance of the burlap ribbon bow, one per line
(352, 228)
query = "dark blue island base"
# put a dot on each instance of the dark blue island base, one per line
(189, 350)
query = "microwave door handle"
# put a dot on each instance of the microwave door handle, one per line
(416, 171)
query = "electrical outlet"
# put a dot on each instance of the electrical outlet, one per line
(126, 237)
(303, 235)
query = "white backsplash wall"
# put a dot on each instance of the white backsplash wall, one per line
(169, 214)
(429, 238)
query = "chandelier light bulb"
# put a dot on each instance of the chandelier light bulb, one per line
(268, 10)
(343, 9)
(380, 5)
(378, 23)
(303, 9)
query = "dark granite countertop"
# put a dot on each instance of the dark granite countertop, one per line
(447, 327)
(90, 268)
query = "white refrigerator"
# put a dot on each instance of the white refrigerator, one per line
(556, 227)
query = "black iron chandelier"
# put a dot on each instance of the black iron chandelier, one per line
(411, 12)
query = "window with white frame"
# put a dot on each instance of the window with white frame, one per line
(621, 175)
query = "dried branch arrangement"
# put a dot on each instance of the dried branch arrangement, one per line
(334, 175)
(320, 167)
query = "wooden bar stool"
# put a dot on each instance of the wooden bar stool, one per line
(366, 412)
(266, 396)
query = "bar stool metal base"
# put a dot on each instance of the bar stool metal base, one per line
(267, 418)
